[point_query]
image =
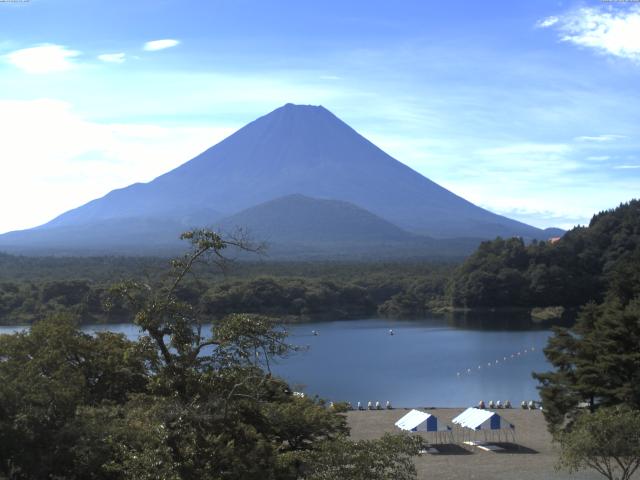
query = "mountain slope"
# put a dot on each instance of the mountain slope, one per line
(305, 220)
(300, 227)
(136, 236)
(293, 150)
(294, 226)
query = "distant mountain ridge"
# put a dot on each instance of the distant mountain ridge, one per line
(300, 219)
(294, 150)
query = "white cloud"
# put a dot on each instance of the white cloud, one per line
(112, 57)
(542, 214)
(523, 165)
(613, 32)
(626, 167)
(509, 198)
(599, 158)
(527, 149)
(55, 160)
(44, 58)
(599, 138)
(547, 22)
(155, 45)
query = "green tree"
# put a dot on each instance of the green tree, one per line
(581, 267)
(46, 375)
(299, 423)
(597, 361)
(217, 409)
(607, 441)
(389, 458)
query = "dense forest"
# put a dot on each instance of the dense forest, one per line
(591, 396)
(580, 267)
(32, 288)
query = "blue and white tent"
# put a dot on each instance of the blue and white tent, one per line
(417, 421)
(477, 420)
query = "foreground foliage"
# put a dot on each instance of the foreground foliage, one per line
(592, 397)
(386, 459)
(182, 402)
(607, 441)
(597, 362)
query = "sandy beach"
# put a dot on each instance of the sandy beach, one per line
(533, 456)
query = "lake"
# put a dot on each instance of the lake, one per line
(428, 362)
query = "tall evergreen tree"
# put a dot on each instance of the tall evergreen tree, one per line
(597, 362)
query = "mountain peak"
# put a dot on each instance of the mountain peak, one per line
(294, 106)
(295, 149)
(304, 113)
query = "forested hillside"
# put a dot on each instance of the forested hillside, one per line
(582, 266)
(596, 361)
(33, 288)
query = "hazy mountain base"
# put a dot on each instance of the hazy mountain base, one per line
(61, 242)
(293, 227)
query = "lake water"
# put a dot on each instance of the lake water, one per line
(429, 362)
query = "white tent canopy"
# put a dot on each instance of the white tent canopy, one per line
(417, 421)
(477, 419)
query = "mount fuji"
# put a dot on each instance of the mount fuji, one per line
(298, 158)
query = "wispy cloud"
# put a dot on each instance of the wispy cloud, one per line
(547, 22)
(155, 45)
(527, 149)
(626, 167)
(112, 57)
(542, 214)
(599, 138)
(599, 158)
(611, 32)
(45, 58)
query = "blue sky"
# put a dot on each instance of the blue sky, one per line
(529, 109)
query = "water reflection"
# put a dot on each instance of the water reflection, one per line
(488, 320)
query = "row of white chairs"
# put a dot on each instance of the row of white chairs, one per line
(498, 404)
(371, 406)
